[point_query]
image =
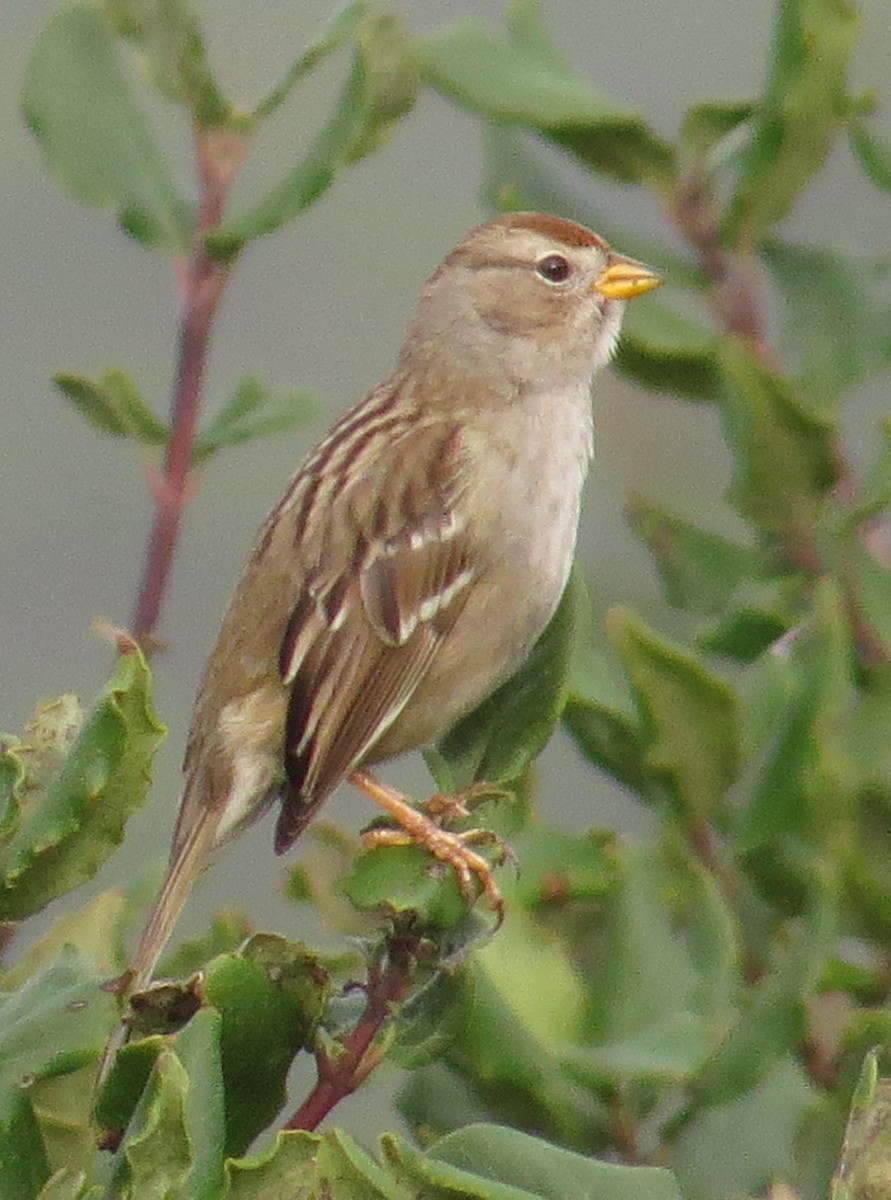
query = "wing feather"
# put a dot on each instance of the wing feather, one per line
(353, 655)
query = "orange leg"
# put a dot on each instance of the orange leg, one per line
(450, 848)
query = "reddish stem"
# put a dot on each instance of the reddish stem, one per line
(341, 1073)
(219, 155)
(735, 293)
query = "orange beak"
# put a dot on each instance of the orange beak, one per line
(624, 279)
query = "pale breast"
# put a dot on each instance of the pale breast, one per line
(529, 495)
(529, 467)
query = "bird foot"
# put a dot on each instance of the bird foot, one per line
(421, 828)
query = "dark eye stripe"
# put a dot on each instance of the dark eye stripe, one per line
(554, 268)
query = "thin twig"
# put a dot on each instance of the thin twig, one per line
(340, 1073)
(735, 293)
(219, 156)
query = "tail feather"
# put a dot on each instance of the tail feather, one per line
(186, 860)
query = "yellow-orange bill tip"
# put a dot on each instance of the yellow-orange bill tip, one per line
(624, 279)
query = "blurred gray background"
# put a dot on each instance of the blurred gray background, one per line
(322, 306)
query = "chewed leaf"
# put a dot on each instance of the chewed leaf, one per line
(66, 832)
(54, 1023)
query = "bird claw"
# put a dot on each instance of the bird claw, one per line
(454, 849)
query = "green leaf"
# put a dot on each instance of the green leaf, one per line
(785, 458)
(866, 1153)
(759, 613)
(51, 1025)
(380, 90)
(608, 738)
(599, 712)
(206, 1100)
(826, 292)
(771, 1029)
(95, 137)
(490, 1162)
(499, 739)
(525, 23)
(95, 931)
(173, 55)
(125, 1083)
(739, 1148)
(400, 880)
(690, 717)
(707, 124)
(713, 936)
(550, 1015)
(63, 838)
(524, 82)
(872, 152)
(804, 105)
(666, 352)
(113, 404)
(699, 570)
(872, 585)
(794, 796)
(436, 1098)
(299, 1164)
(339, 30)
(864, 735)
(270, 999)
(23, 1163)
(865, 854)
(428, 1022)
(63, 1108)
(67, 1184)
(173, 1145)
(514, 1036)
(667, 1052)
(251, 412)
(875, 493)
(645, 1022)
(558, 868)
(766, 689)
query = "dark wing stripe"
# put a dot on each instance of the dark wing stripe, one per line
(354, 652)
(409, 578)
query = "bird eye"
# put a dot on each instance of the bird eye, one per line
(554, 268)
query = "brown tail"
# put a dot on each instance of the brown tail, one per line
(187, 858)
